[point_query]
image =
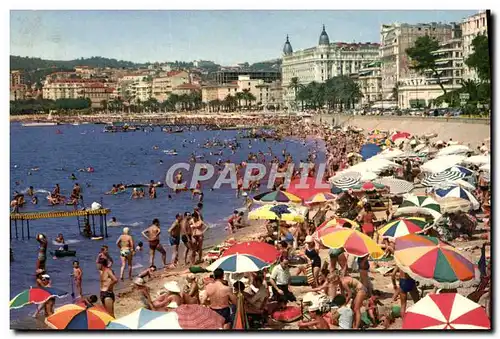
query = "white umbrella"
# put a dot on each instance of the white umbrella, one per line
(485, 167)
(143, 319)
(477, 160)
(454, 149)
(346, 180)
(442, 163)
(460, 182)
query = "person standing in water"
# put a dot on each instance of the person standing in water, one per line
(42, 251)
(78, 276)
(152, 234)
(186, 234)
(126, 245)
(175, 238)
(152, 190)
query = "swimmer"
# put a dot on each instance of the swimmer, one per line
(72, 177)
(113, 220)
(59, 239)
(139, 247)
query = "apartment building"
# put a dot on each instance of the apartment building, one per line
(270, 94)
(471, 27)
(16, 78)
(76, 89)
(395, 40)
(163, 86)
(369, 79)
(217, 92)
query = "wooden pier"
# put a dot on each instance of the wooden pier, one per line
(89, 221)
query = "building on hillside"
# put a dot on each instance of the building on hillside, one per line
(186, 89)
(16, 78)
(204, 63)
(228, 76)
(322, 62)
(419, 91)
(270, 95)
(77, 89)
(18, 92)
(85, 72)
(141, 90)
(164, 85)
(369, 80)
(395, 40)
(212, 92)
(472, 26)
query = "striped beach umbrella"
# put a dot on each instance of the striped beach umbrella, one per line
(353, 242)
(36, 295)
(446, 311)
(419, 204)
(261, 250)
(437, 178)
(400, 135)
(144, 319)
(346, 181)
(329, 225)
(369, 186)
(78, 317)
(198, 317)
(467, 172)
(431, 261)
(458, 192)
(321, 198)
(402, 227)
(274, 197)
(396, 186)
(238, 263)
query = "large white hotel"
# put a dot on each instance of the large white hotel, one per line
(322, 62)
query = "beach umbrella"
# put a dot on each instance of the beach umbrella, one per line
(311, 187)
(369, 187)
(36, 295)
(346, 181)
(261, 250)
(329, 225)
(453, 205)
(446, 311)
(186, 317)
(438, 178)
(431, 261)
(238, 263)
(477, 160)
(409, 154)
(458, 192)
(277, 197)
(319, 198)
(419, 204)
(78, 317)
(396, 186)
(467, 172)
(441, 163)
(400, 135)
(453, 149)
(402, 227)
(269, 212)
(485, 167)
(353, 242)
(369, 150)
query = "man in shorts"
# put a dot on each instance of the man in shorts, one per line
(175, 238)
(186, 234)
(152, 234)
(107, 281)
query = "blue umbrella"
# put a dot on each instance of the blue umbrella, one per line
(238, 263)
(369, 150)
(458, 192)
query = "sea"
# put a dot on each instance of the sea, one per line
(44, 156)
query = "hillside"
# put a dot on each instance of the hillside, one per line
(32, 64)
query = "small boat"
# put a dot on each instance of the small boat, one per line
(39, 124)
(64, 253)
(76, 124)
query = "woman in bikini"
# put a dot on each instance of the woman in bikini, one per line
(354, 291)
(368, 217)
(197, 227)
(126, 245)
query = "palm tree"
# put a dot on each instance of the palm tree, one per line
(104, 105)
(230, 102)
(239, 96)
(295, 85)
(173, 100)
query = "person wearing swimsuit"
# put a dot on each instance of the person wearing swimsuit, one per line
(152, 234)
(368, 218)
(354, 291)
(313, 258)
(364, 269)
(338, 256)
(126, 245)
(42, 251)
(407, 285)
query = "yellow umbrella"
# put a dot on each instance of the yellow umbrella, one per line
(353, 242)
(265, 213)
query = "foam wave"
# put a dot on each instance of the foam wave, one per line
(66, 242)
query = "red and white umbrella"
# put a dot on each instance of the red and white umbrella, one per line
(400, 135)
(446, 311)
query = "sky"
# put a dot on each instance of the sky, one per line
(226, 37)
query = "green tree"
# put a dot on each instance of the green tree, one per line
(104, 104)
(424, 59)
(239, 96)
(479, 60)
